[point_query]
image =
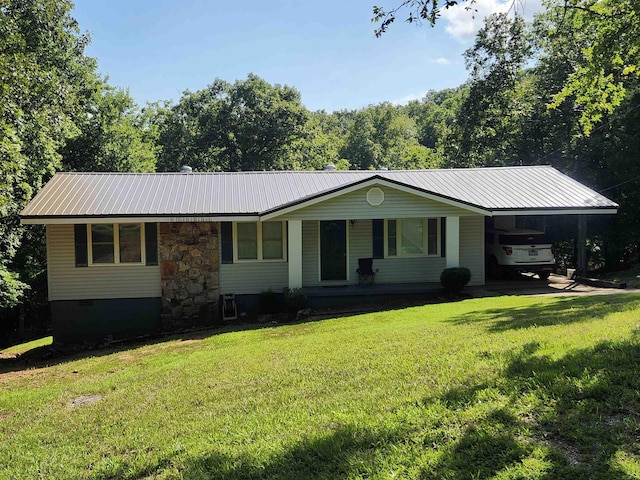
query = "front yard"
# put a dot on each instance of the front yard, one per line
(504, 388)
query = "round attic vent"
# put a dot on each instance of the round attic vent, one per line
(375, 196)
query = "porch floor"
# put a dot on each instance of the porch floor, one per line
(374, 289)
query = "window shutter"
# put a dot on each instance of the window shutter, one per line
(80, 239)
(151, 243)
(378, 238)
(226, 230)
(443, 237)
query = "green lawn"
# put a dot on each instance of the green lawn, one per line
(12, 352)
(505, 388)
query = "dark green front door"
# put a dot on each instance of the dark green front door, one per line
(333, 250)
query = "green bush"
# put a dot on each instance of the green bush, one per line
(295, 299)
(270, 302)
(454, 279)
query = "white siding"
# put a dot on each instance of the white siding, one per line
(409, 269)
(360, 245)
(390, 270)
(253, 277)
(397, 204)
(68, 282)
(310, 262)
(472, 247)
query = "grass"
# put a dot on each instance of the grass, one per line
(504, 388)
(16, 350)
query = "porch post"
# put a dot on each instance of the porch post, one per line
(294, 242)
(582, 245)
(452, 241)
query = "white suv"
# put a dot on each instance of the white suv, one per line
(518, 250)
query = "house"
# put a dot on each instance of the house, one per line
(129, 253)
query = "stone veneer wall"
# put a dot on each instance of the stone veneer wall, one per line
(189, 265)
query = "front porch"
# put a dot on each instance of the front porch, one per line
(331, 296)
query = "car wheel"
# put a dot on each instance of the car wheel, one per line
(544, 275)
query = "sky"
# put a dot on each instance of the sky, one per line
(327, 50)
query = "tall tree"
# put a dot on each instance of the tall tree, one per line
(612, 57)
(114, 135)
(320, 144)
(43, 71)
(248, 125)
(499, 101)
(385, 136)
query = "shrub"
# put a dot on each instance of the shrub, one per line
(295, 299)
(270, 302)
(454, 279)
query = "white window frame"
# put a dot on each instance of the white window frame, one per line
(259, 240)
(116, 247)
(425, 238)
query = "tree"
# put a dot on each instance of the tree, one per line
(43, 71)
(320, 144)
(612, 58)
(611, 63)
(385, 136)
(417, 11)
(248, 125)
(499, 102)
(114, 135)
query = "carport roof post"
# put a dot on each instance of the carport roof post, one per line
(582, 245)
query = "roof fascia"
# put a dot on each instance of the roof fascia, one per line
(376, 180)
(557, 211)
(136, 219)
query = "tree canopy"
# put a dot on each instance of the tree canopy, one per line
(43, 71)
(610, 61)
(56, 113)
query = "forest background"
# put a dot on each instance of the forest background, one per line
(562, 90)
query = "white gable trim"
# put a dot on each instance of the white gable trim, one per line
(369, 183)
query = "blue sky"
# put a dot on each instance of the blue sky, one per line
(327, 50)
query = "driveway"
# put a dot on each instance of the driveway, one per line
(531, 285)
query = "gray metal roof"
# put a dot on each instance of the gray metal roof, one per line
(69, 195)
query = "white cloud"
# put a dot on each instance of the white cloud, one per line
(465, 19)
(411, 97)
(442, 61)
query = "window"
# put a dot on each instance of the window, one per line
(102, 244)
(130, 243)
(247, 241)
(260, 241)
(111, 244)
(413, 237)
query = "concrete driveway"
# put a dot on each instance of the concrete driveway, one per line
(531, 285)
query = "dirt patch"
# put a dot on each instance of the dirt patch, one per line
(37, 376)
(84, 400)
(126, 356)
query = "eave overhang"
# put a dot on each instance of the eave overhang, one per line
(169, 218)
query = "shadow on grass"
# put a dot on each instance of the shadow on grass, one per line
(343, 452)
(574, 417)
(562, 312)
(585, 417)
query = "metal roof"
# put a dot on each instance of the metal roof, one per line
(72, 195)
